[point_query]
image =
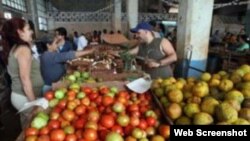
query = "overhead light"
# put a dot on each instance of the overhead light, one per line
(173, 10)
(7, 15)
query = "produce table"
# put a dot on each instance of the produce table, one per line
(118, 84)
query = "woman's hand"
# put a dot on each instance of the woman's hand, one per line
(151, 63)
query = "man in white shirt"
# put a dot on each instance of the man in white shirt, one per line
(82, 43)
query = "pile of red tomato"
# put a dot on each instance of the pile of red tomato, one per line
(99, 114)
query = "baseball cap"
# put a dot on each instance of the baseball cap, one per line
(143, 25)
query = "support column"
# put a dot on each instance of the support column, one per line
(132, 13)
(1, 8)
(117, 16)
(193, 29)
(247, 22)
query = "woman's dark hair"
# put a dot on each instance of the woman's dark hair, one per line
(10, 36)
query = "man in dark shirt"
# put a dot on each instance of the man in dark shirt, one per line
(61, 35)
(53, 63)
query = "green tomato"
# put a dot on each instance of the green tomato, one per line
(114, 90)
(81, 95)
(38, 122)
(59, 94)
(85, 75)
(113, 136)
(43, 115)
(53, 102)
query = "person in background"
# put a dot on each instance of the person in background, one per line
(53, 63)
(111, 32)
(82, 42)
(244, 43)
(215, 39)
(34, 48)
(24, 71)
(99, 35)
(155, 31)
(161, 29)
(61, 37)
(232, 44)
(104, 33)
(75, 40)
(95, 38)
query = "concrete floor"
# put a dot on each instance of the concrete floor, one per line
(10, 126)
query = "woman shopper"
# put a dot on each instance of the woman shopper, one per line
(24, 70)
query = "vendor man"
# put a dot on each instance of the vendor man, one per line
(158, 53)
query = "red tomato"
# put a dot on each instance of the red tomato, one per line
(101, 108)
(31, 131)
(130, 138)
(57, 109)
(54, 124)
(151, 121)
(107, 100)
(148, 97)
(43, 138)
(77, 101)
(142, 97)
(71, 137)
(90, 134)
(93, 116)
(85, 101)
(68, 115)
(31, 138)
(71, 105)
(133, 107)
(44, 131)
(103, 134)
(93, 95)
(64, 123)
(134, 121)
(143, 109)
(135, 113)
(71, 95)
(80, 123)
(107, 121)
(143, 124)
(49, 95)
(122, 100)
(164, 131)
(62, 103)
(98, 100)
(108, 110)
(54, 115)
(104, 90)
(117, 129)
(123, 94)
(57, 135)
(86, 90)
(78, 134)
(128, 129)
(81, 109)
